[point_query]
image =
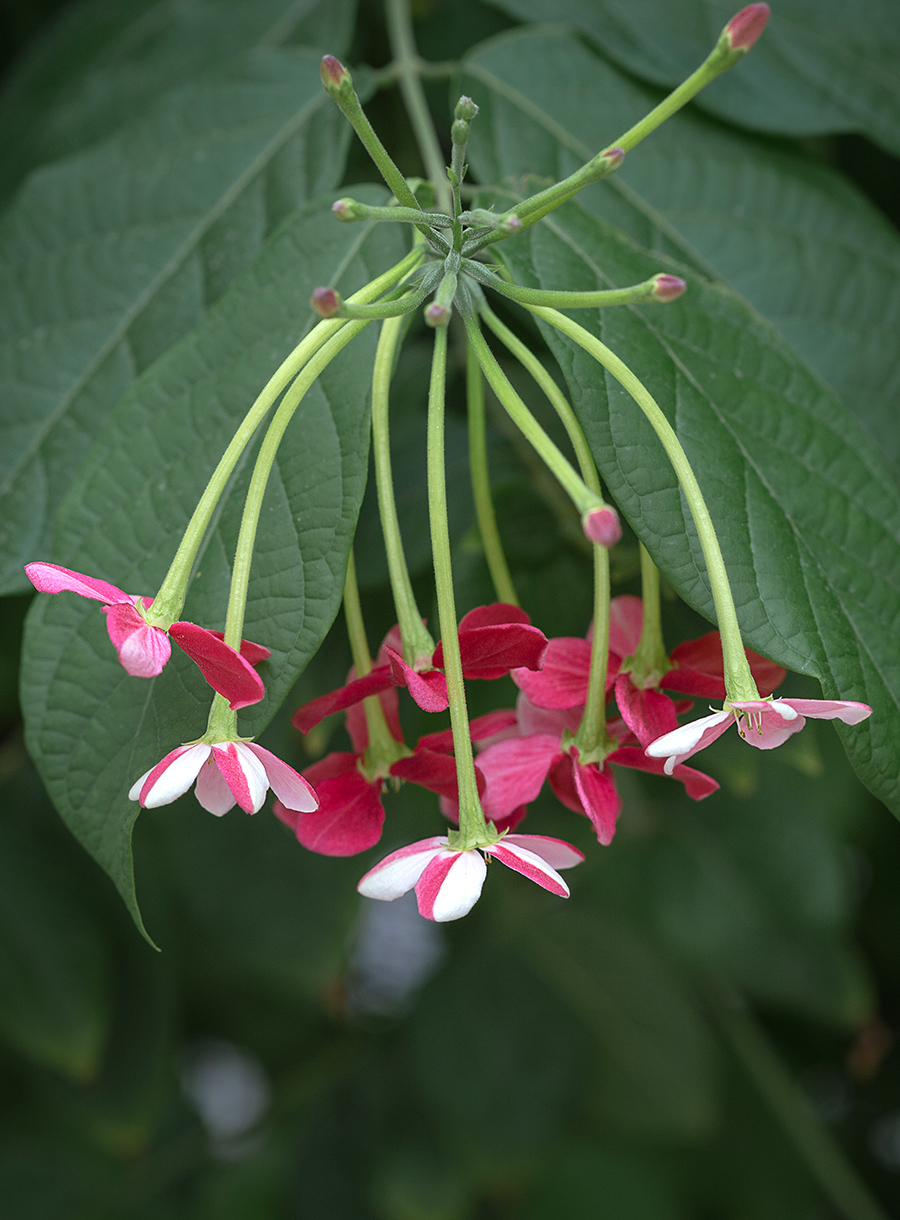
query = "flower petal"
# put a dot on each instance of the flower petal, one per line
(696, 783)
(434, 770)
(698, 669)
(254, 653)
(243, 773)
(171, 777)
(51, 578)
(626, 621)
(224, 669)
(563, 679)
(493, 615)
(598, 797)
(687, 739)
(349, 817)
(530, 865)
(450, 885)
(555, 852)
(545, 720)
(648, 713)
(829, 709)
(211, 791)
(308, 715)
(397, 873)
(143, 650)
(515, 771)
(429, 689)
(291, 789)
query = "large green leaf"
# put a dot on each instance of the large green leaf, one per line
(92, 729)
(820, 66)
(807, 513)
(106, 61)
(115, 253)
(793, 237)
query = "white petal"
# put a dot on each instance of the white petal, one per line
(555, 852)
(292, 789)
(177, 777)
(397, 873)
(212, 792)
(134, 791)
(254, 774)
(683, 739)
(784, 710)
(461, 888)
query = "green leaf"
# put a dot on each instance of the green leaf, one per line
(820, 66)
(816, 590)
(793, 237)
(54, 1003)
(104, 62)
(115, 253)
(92, 729)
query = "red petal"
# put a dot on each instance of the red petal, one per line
(626, 621)
(563, 679)
(700, 673)
(647, 713)
(515, 771)
(51, 578)
(349, 817)
(492, 651)
(434, 771)
(254, 653)
(308, 715)
(429, 689)
(696, 784)
(224, 669)
(493, 615)
(358, 729)
(599, 799)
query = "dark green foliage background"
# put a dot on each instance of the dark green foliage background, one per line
(166, 176)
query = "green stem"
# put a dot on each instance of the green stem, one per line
(381, 744)
(650, 660)
(418, 646)
(823, 1156)
(406, 57)
(481, 484)
(583, 499)
(472, 826)
(592, 739)
(739, 681)
(169, 601)
(561, 300)
(397, 308)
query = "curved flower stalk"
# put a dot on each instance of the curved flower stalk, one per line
(448, 881)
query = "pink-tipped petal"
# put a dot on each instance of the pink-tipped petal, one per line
(745, 27)
(143, 650)
(563, 679)
(243, 773)
(291, 789)
(599, 799)
(515, 771)
(450, 885)
(555, 852)
(224, 669)
(647, 713)
(688, 739)
(211, 791)
(830, 709)
(397, 873)
(51, 578)
(171, 777)
(530, 865)
(428, 689)
(349, 818)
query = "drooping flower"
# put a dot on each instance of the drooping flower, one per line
(493, 640)
(515, 769)
(764, 723)
(227, 773)
(448, 882)
(143, 649)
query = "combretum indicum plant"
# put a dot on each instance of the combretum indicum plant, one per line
(486, 771)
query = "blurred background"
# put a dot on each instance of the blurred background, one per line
(706, 1030)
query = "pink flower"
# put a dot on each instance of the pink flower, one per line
(227, 773)
(764, 723)
(515, 770)
(144, 650)
(492, 641)
(448, 882)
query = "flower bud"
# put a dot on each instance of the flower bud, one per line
(509, 225)
(326, 302)
(668, 287)
(459, 132)
(344, 209)
(613, 157)
(437, 315)
(602, 525)
(335, 76)
(745, 27)
(465, 109)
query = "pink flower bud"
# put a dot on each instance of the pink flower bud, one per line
(344, 209)
(668, 287)
(326, 302)
(335, 76)
(614, 156)
(746, 26)
(437, 315)
(602, 525)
